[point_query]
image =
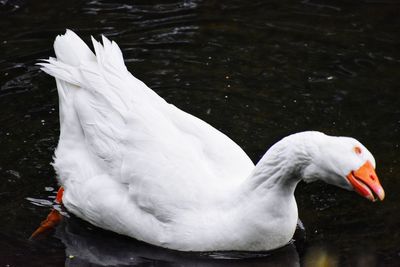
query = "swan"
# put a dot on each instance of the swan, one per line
(131, 163)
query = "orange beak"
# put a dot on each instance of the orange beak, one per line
(366, 182)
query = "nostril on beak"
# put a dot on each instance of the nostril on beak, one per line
(372, 177)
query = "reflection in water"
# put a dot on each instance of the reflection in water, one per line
(320, 257)
(87, 245)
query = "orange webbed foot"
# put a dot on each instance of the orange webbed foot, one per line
(52, 220)
(60, 195)
(48, 224)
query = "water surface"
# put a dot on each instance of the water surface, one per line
(257, 70)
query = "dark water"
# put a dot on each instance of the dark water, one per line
(257, 70)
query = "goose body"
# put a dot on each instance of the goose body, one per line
(134, 164)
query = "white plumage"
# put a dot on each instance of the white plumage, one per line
(136, 165)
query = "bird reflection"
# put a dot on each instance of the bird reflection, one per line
(87, 245)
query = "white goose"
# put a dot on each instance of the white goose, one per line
(133, 164)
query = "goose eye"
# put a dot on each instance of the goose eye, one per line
(358, 150)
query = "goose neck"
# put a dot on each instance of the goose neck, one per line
(280, 169)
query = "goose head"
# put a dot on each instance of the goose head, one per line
(344, 162)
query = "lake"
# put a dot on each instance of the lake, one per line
(256, 70)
